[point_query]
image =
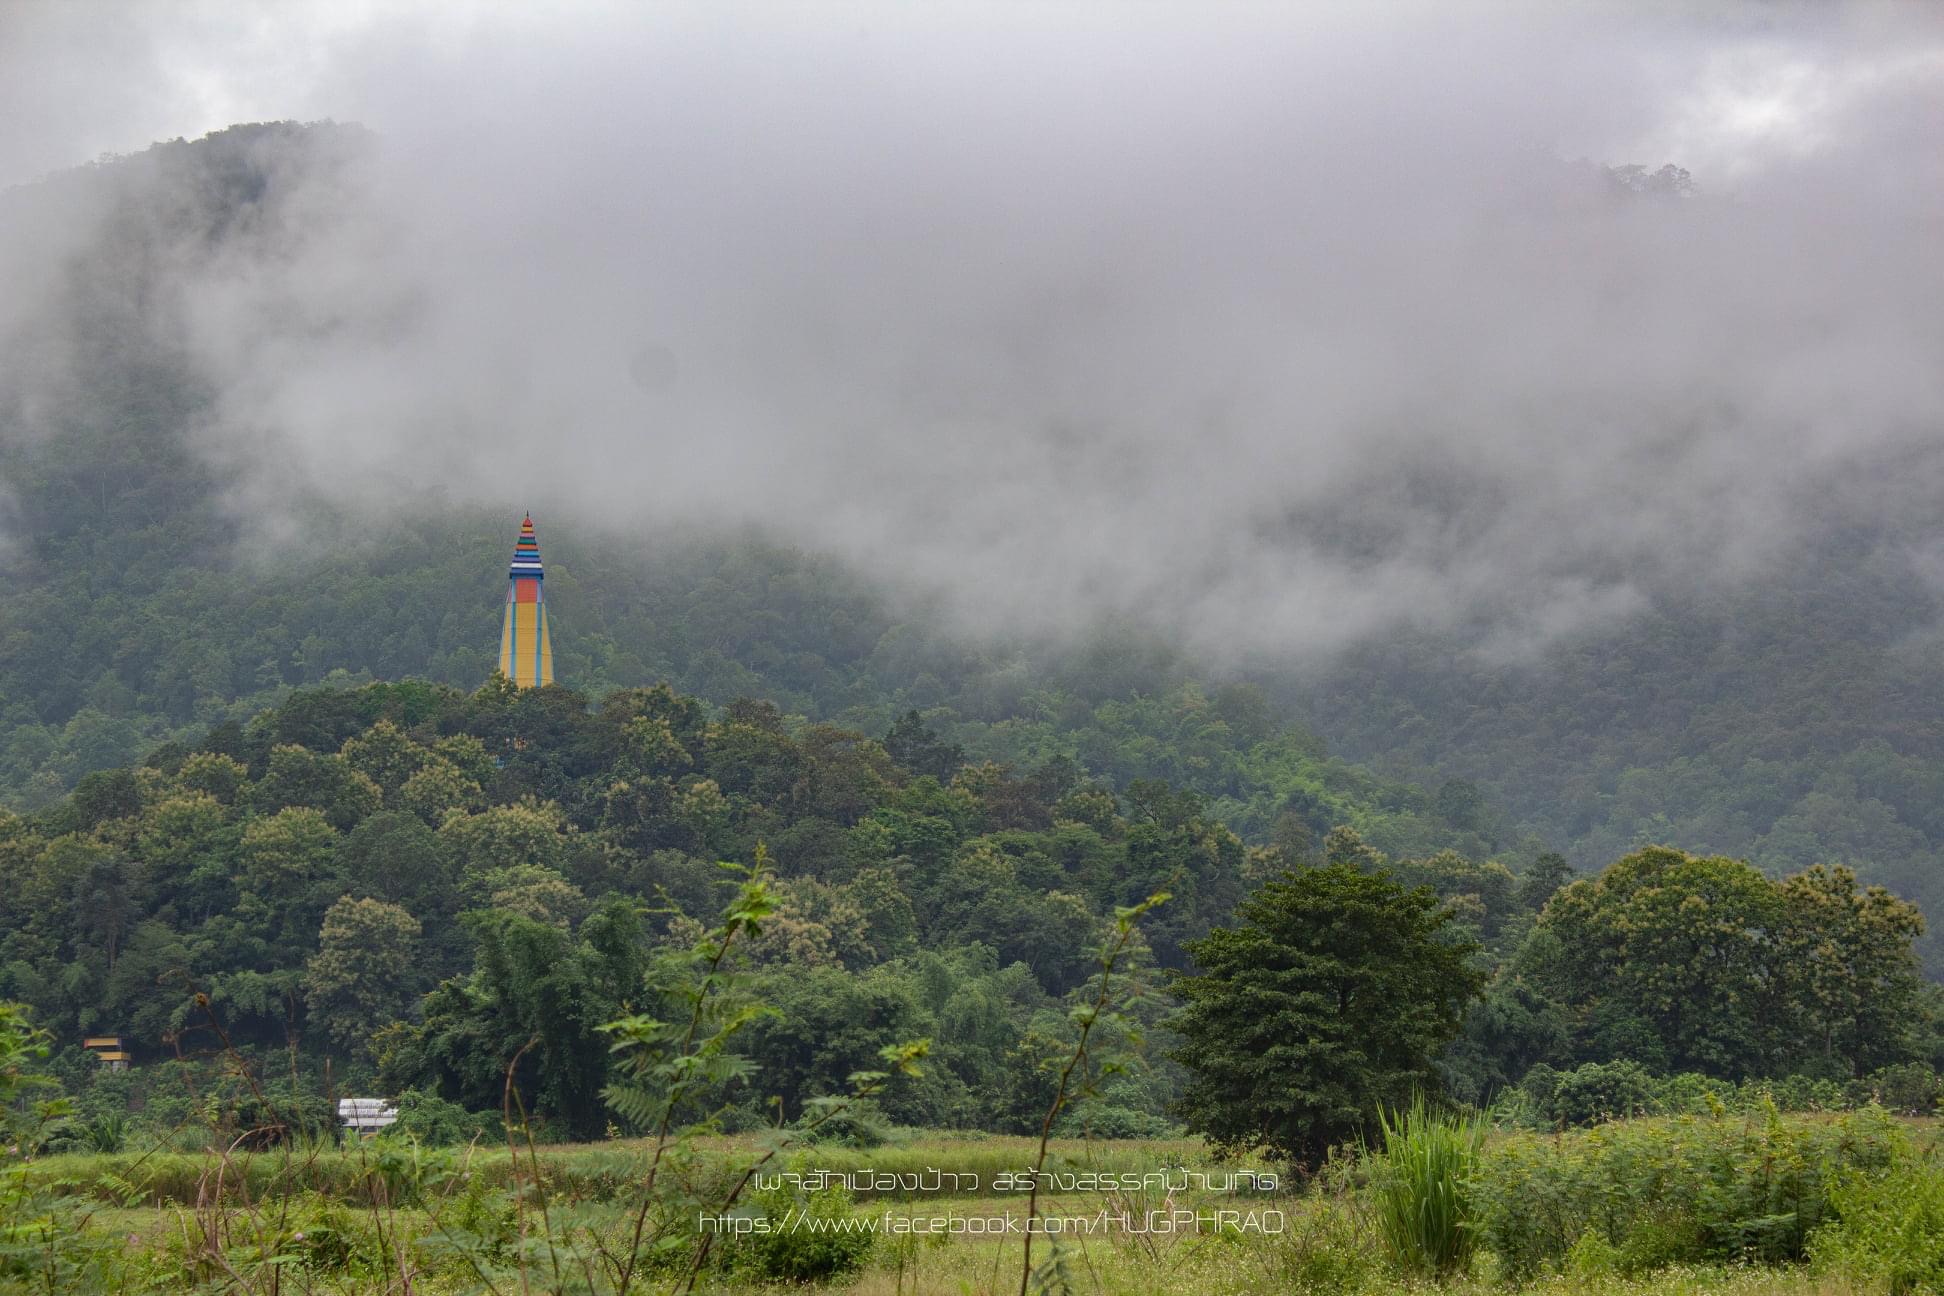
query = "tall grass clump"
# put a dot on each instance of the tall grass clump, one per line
(1422, 1188)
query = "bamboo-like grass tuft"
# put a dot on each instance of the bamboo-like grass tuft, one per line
(1421, 1186)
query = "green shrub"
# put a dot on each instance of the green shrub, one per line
(1795, 1093)
(1512, 1108)
(1539, 1084)
(860, 1125)
(1589, 1259)
(325, 1238)
(1888, 1226)
(1666, 1191)
(1422, 1187)
(805, 1238)
(106, 1133)
(436, 1122)
(1601, 1091)
(1610, 1090)
(1911, 1088)
(482, 1220)
(349, 1250)
(1693, 1094)
(1092, 1119)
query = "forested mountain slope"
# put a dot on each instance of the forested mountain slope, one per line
(1799, 720)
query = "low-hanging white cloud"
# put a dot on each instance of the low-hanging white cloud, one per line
(1272, 329)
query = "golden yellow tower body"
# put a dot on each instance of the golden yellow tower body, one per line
(526, 653)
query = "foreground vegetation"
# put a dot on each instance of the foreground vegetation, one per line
(1730, 1204)
(1699, 1201)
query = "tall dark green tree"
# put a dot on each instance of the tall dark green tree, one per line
(912, 744)
(1333, 995)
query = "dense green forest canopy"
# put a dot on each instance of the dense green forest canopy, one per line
(313, 874)
(415, 882)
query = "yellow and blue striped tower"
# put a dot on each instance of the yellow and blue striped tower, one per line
(526, 653)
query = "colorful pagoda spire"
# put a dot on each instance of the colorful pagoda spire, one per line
(526, 653)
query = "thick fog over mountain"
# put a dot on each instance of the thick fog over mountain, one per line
(1271, 330)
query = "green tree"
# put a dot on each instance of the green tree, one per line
(827, 1024)
(1544, 876)
(1511, 1030)
(912, 744)
(393, 856)
(361, 976)
(1674, 945)
(438, 788)
(384, 755)
(1331, 997)
(287, 873)
(537, 992)
(1691, 963)
(504, 837)
(1849, 957)
(298, 777)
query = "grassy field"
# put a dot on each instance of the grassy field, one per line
(964, 1268)
(1639, 1206)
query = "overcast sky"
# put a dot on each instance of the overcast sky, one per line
(1727, 87)
(1273, 326)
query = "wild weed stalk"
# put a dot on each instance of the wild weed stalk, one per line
(1422, 1188)
(1092, 1015)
